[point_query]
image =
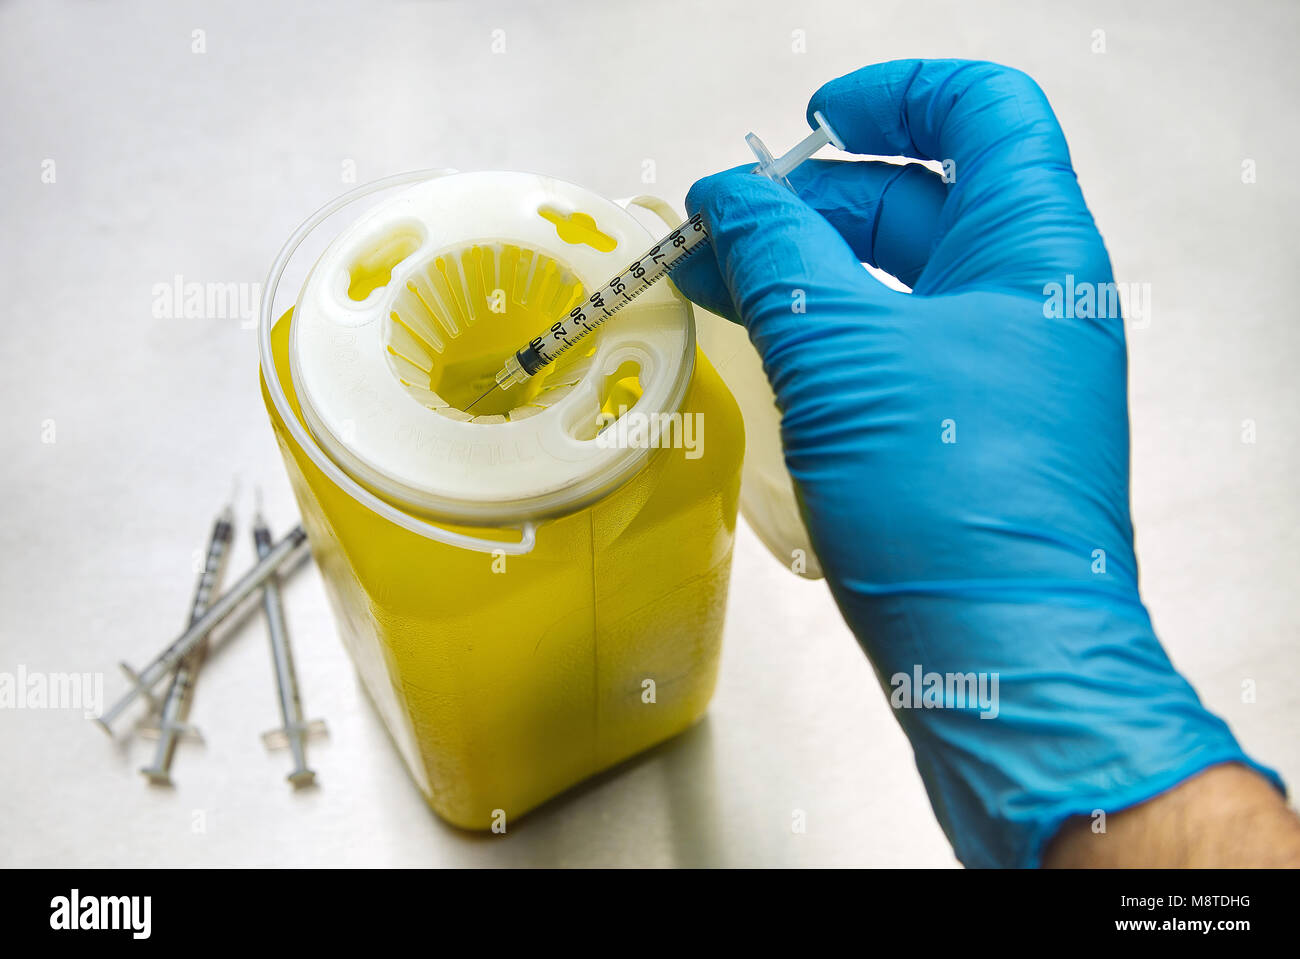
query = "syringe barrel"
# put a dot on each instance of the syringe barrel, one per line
(213, 564)
(530, 359)
(620, 290)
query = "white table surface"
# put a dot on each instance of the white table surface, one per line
(169, 162)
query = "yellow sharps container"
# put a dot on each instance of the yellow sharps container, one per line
(534, 592)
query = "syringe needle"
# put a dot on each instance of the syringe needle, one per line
(481, 398)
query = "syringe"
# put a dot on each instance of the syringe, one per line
(172, 722)
(643, 272)
(294, 731)
(144, 681)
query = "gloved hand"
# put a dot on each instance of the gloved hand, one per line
(961, 453)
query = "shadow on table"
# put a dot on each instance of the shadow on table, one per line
(665, 797)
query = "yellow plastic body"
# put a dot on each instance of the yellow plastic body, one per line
(505, 680)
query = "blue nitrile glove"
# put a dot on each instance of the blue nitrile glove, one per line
(961, 453)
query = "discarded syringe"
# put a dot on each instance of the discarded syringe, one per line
(295, 731)
(144, 681)
(643, 272)
(172, 722)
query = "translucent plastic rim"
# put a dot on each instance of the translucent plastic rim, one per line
(305, 441)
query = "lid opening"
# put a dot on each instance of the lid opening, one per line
(461, 311)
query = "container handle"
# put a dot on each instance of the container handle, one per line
(660, 207)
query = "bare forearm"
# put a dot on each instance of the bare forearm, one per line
(1225, 816)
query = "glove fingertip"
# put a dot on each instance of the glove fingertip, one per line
(705, 191)
(817, 104)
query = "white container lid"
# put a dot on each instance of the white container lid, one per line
(410, 311)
